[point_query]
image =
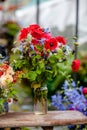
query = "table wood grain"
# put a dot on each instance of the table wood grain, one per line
(52, 118)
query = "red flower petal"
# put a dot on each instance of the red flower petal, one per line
(51, 44)
(84, 91)
(61, 39)
(75, 65)
(23, 34)
(1, 73)
(33, 27)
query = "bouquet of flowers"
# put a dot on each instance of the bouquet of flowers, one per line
(7, 79)
(38, 57)
(39, 54)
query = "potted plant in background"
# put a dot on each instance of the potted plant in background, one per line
(39, 55)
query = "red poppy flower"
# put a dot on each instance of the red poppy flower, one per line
(75, 65)
(51, 44)
(47, 35)
(34, 41)
(23, 34)
(33, 27)
(37, 33)
(61, 39)
(35, 30)
(84, 90)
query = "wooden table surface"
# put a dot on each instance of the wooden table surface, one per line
(52, 118)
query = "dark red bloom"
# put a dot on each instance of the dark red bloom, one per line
(14, 79)
(1, 73)
(61, 39)
(47, 35)
(36, 31)
(51, 44)
(23, 34)
(34, 41)
(84, 90)
(75, 65)
(9, 100)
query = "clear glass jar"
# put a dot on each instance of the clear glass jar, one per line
(40, 100)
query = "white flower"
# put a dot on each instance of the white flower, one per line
(5, 79)
(9, 71)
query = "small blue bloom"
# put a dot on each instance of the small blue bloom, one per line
(41, 41)
(46, 30)
(65, 85)
(67, 50)
(73, 84)
(81, 88)
(31, 47)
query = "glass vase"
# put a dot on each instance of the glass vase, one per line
(40, 100)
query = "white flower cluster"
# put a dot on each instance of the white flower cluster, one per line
(6, 75)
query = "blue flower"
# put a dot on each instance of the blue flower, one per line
(72, 99)
(31, 47)
(46, 30)
(41, 41)
(67, 50)
(73, 84)
(65, 85)
(57, 102)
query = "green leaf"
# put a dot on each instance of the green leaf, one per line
(29, 37)
(41, 64)
(52, 59)
(32, 75)
(38, 71)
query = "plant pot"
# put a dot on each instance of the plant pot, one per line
(40, 100)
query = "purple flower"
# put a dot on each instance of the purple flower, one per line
(57, 102)
(73, 84)
(65, 85)
(72, 98)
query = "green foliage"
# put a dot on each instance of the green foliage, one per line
(25, 128)
(6, 94)
(34, 68)
(82, 73)
(40, 95)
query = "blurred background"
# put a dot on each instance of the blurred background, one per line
(63, 17)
